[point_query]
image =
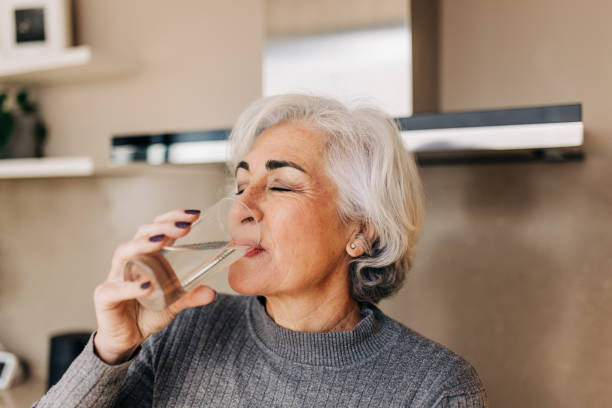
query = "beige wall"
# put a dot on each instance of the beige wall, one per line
(515, 266)
(200, 65)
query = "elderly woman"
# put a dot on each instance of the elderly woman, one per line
(339, 202)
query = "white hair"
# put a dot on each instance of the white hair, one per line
(377, 180)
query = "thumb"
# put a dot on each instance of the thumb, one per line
(201, 295)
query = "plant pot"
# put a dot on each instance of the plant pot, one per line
(25, 140)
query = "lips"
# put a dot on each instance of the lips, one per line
(254, 252)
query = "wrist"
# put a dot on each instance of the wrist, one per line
(110, 355)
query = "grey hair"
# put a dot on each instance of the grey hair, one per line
(377, 180)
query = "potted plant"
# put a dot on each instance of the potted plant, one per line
(22, 133)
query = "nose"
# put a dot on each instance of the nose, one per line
(245, 214)
(244, 221)
(249, 208)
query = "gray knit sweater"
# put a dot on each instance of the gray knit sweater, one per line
(231, 354)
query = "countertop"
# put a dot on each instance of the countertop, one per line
(23, 395)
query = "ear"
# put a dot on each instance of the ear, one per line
(355, 247)
(368, 230)
(361, 240)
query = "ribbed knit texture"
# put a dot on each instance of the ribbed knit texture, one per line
(231, 354)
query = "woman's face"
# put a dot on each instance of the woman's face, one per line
(282, 179)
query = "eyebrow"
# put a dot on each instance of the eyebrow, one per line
(242, 165)
(272, 165)
(277, 164)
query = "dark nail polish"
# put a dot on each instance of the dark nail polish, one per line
(192, 211)
(157, 238)
(145, 285)
(182, 224)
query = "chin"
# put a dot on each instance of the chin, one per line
(243, 281)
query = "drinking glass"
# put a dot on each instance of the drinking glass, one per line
(220, 236)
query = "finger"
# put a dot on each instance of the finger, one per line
(111, 293)
(143, 245)
(178, 215)
(201, 295)
(172, 229)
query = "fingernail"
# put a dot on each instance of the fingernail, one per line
(145, 285)
(157, 238)
(182, 224)
(192, 211)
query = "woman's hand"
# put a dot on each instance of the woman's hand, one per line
(123, 324)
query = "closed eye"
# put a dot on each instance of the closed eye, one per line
(281, 189)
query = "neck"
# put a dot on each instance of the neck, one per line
(319, 313)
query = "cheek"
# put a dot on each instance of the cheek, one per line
(290, 226)
(309, 233)
(304, 245)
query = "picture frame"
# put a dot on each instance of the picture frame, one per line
(34, 27)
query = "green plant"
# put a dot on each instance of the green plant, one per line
(8, 122)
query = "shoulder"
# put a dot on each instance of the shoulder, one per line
(434, 371)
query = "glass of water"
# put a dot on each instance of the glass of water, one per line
(220, 236)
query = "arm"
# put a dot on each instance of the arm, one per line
(465, 390)
(475, 400)
(88, 382)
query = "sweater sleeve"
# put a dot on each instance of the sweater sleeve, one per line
(473, 400)
(465, 390)
(137, 387)
(88, 382)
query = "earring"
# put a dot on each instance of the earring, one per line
(353, 246)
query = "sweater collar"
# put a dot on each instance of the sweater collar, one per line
(369, 337)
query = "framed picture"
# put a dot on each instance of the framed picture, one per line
(31, 27)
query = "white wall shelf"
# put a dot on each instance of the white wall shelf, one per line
(46, 167)
(74, 64)
(57, 167)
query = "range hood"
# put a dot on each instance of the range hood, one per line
(518, 134)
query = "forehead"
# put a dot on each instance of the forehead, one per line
(288, 141)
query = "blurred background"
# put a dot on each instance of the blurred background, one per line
(514, 268)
